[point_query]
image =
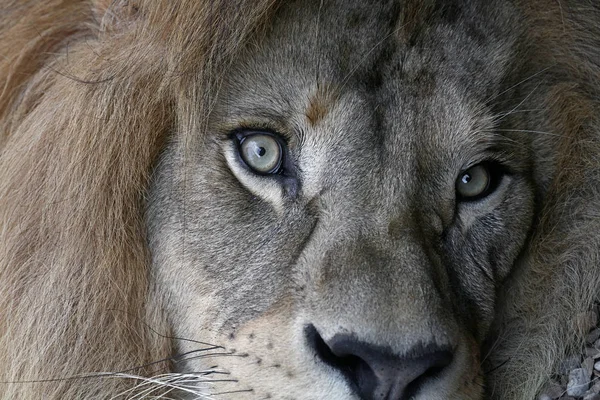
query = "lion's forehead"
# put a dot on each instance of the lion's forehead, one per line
(408, 98)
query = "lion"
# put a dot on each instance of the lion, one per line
(317, 199)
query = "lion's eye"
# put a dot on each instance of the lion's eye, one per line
(261, 152)
(475, 183)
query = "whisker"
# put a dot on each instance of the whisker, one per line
(170, 382)
(164, 335)
(233, 391)
(146, 393)
(211, 355)
(175, 358)
(204, 373)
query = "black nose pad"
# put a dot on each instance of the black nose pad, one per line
(377, 373)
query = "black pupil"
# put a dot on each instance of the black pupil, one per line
(466, 178)
(261, 151)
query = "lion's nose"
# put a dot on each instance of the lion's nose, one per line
(376, 373)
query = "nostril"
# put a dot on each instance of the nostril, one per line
(434, 363)
(352, 366)
(377, 373)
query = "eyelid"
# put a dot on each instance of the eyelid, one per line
(241, 133)
(499, 158)
(279, 130)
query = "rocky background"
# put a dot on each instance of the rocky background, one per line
(578, 377)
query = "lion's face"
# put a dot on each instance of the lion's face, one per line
(343, 225)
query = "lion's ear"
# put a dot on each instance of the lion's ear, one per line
(112, 14)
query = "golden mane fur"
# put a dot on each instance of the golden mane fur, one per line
(88, 94)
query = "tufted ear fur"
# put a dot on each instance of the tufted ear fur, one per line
(115, 14)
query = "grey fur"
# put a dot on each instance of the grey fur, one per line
(366, 236)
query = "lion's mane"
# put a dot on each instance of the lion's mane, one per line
(546, 302)
(88, 93)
